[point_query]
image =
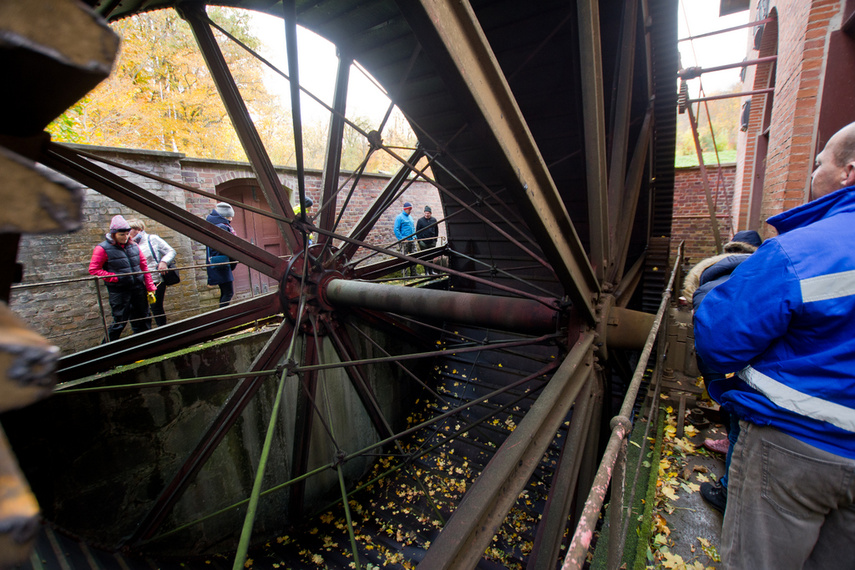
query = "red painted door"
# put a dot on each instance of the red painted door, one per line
(256, 229)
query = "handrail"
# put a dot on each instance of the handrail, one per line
(614, 458)
(96, 280)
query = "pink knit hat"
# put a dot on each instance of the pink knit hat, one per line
(119, 224)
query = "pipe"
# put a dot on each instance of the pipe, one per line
(627, 328)
(505, 313)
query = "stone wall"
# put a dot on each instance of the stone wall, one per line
(60, 300)
(800, 36)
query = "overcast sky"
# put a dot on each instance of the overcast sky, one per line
(701, 16)
(318, 59)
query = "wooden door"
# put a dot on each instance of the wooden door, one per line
(256, 229)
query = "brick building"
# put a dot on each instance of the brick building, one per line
(811, 98)
(68, 311)
(691, 219)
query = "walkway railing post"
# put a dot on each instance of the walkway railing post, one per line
(612, 466)
(101, 308)
(616, 508)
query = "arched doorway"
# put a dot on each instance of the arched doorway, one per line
(257, 230)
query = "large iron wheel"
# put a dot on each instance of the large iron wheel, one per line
(509, 162)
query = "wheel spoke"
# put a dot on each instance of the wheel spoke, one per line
(595, 133)
(446, 350)
(461, 43)
(620, 133)
(272, 189)
(332, 163)
(384, 200)
(347, 352)
(65, 160)
(632, 190)
(289, 16)
(306, 411)
(485, 505)
(160, 340)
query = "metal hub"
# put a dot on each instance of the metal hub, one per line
(303, 287)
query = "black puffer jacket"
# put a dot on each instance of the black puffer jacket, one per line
(123, 260)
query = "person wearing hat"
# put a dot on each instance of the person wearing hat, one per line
(426, 232)
(405, 231)
(220, 266)
(119, 261)
(700, 280)
(158, 255)
(298, 211)
(307, 204)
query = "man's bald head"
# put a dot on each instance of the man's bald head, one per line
(835, 165)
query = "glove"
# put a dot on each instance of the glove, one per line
(151, 298)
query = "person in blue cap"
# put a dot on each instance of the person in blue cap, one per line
(405, 231)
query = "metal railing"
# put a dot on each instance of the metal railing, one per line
(612, 469)
(96, 281)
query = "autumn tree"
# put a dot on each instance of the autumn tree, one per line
(160, 95)
(724, 116)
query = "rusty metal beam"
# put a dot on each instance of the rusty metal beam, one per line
(694, 72)
(450, 32)
(289, 17)
(382, 268)
(505, 313)
(631, 279)
(593, 105)
(620, 135)
(484, 507)
(304, 414)
(632, 190)
(332, 163)
(260, 161)
(65, 160)
(359, 379)
(705, 180)
(550, 531)
(732, 95)
(725, 30)
(163, 339)
(237, 401)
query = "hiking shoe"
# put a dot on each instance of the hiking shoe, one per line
(717, 445)
(715, 494)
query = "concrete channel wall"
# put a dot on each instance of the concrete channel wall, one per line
(98, 460)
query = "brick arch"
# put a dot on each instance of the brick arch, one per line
(254, 228)
(837, 106)
(759, 128)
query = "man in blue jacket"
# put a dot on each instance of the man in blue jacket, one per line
(784, 322)
(405, 231)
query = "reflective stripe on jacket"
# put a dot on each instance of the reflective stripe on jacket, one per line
(784, 321)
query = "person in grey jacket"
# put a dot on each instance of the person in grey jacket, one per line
(157, 253)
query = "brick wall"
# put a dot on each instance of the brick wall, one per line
(800, 38)
(68, 312)
(691, 221)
